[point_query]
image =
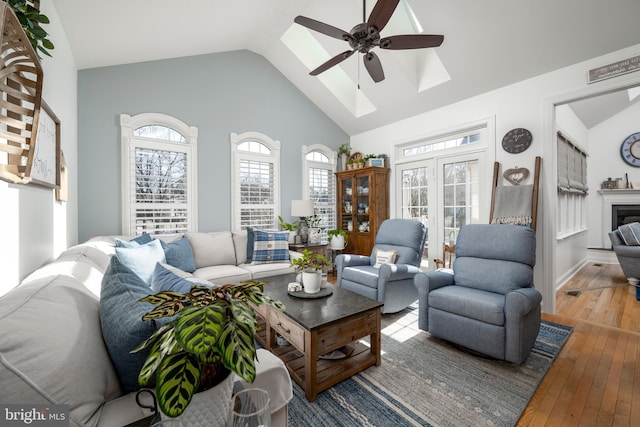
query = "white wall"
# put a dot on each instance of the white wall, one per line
(528, 104)
(36, 228)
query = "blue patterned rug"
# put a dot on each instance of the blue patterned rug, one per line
(424, 381)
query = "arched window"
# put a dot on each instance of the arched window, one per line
(158, 174)
(255, 177)
(319, 183)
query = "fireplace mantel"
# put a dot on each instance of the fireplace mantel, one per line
(620, 196)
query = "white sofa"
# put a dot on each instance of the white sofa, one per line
(51, 346)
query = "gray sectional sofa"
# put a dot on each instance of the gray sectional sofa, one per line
(52, 349)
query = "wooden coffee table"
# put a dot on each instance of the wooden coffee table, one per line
(314, 327)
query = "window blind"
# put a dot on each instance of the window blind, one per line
(159, 191)
(257, 194)
(322, 190)
(572, 167)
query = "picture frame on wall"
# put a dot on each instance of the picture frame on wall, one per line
(45, 167)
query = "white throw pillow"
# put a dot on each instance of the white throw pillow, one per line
(142, 259)
(384, 257)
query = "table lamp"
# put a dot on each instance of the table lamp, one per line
(302, 209)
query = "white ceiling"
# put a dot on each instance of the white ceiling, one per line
(488, 43)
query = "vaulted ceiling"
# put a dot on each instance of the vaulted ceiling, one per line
(487, 44)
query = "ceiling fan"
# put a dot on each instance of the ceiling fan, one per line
(366, 36)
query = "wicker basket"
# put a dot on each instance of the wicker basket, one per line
(21, 97)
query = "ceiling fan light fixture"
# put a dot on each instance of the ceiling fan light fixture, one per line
(366, 36)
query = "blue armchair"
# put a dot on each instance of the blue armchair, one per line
(390, 283)
(488, 304)
(629, 259)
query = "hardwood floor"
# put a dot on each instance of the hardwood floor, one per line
(595, 380)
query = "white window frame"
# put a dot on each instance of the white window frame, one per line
(129, 143)
(237, 156)
(306, 194)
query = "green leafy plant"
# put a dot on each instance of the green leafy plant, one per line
(211, 333)
(30, 19)
(337, 232)
(289, 226)
(310, 261)
(344, 150)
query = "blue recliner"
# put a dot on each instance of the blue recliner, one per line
(392, 284)
(488, 304)
(629, 259)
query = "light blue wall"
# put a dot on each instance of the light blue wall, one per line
(218, 93)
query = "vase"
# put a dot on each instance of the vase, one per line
(312, 281)
(314, 236)
(210, 407)
(337, 242)
(292, 236)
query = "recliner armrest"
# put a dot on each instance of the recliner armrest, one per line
(426, 282)
(521, 301)
(349, 260)
(390, 272)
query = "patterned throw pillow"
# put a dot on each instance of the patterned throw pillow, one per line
(384, 257)
(270, 246)
(630, 233)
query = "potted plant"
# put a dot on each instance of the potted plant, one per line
(343, 154)
(337, 239)
(313, 222)
(30, 19)
(291, 227)
(210, 334)
(311, 264)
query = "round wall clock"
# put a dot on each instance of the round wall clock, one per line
(516, 140)
(630, 149)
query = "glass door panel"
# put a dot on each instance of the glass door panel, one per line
(460, 202)
(414, 196)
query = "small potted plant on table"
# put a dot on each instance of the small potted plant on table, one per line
(210, 335)
(311, 264)
(337, 239)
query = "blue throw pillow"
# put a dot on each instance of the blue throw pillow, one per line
(166, 280)
(180, 254)
(142, 259)
(250, 242)
(136, 241)
(121, 320)
(270, 246)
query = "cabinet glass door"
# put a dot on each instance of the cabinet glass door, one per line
(362, 190)
(347, 204)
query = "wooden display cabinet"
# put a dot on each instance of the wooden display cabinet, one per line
(363, 203)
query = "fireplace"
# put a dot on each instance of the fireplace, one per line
(619, 206)
(624, 214)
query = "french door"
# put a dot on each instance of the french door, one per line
(444, 193)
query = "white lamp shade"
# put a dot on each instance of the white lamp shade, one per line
(302, 208)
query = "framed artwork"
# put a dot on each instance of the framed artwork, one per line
(45, 168)
(376, 162)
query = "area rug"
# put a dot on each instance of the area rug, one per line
(424, 381)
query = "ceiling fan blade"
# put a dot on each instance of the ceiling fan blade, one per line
(333, 61)
(374, 66)
(411, 41)
(381, 13)
(323, 28)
